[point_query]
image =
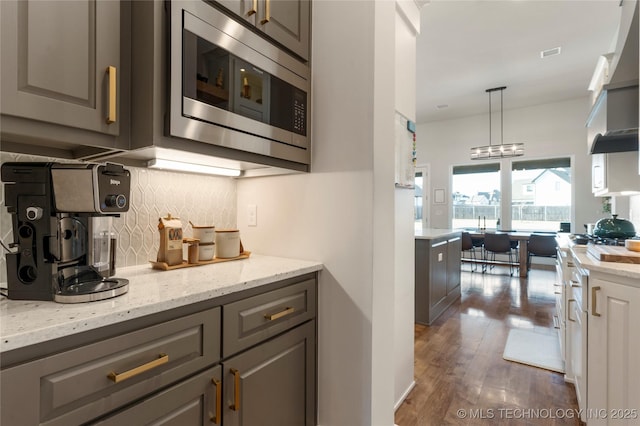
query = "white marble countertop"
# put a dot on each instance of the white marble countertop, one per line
(432, 233)
(588, 262)
(24, 323)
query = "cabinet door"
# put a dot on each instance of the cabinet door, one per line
(287, 22)
(196, 401)
(273, 383)
(574, 366)
(438, 283)
(613, 346)
(55, 62)
(454, 248)
(245, 9)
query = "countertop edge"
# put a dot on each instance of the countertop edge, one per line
(65, 320)
(433, 233)
(589, 263)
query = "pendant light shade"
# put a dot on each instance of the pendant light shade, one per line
(489, 152)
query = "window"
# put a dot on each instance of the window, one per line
(537, 195)
(476, 196)
(540, 194)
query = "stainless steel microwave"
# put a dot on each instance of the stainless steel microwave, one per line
(233, 88)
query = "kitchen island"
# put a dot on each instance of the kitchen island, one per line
(177, 344)
(437, 272)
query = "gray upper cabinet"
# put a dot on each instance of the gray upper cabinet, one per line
(285, 21)
(61, 65)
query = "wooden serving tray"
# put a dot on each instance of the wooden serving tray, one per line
(613, 254)
(164, 267)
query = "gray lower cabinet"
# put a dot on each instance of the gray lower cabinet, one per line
(61, 73)
(247, 358)
(81, 384)
(272, 383)
(287, 22)
(195, 401)
(437, 276)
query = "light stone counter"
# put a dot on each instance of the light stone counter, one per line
(24, 323)
(433, 233)
(588, 262)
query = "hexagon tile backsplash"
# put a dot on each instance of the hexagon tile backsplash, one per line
(201, 199)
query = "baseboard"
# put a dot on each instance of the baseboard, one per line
(404, 395)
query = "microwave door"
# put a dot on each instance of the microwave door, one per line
(252, 94)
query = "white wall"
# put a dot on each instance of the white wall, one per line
(407, 25)
(343, 213)
(549, 130)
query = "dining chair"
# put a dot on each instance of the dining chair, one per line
(543, 245)
(467, 246)
(497, 244)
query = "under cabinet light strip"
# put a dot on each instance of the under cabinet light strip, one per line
(191, 168)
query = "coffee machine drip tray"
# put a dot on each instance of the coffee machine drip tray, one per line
(89, 286)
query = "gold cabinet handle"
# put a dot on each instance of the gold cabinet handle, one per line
(594, 309)
(267, 12)
(236, 390)
(217, 418)
(118, 377)
(575, 284)
(111, 115)
(569, 310)
(285, 312)
(254, 8)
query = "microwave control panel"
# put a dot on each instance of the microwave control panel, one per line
(300, 113)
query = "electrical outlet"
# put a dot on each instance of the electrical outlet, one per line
(252, 215)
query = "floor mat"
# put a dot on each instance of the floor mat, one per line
(539, 349)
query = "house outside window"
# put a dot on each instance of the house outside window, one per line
(545, 200)
(537, 195)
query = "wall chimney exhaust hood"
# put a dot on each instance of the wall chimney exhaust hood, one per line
(613, 121)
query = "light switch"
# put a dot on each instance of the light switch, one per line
(439, 257)
(252, 215)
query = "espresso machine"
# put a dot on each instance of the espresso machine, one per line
(61, 217)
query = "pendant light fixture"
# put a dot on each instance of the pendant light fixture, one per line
(490, 152)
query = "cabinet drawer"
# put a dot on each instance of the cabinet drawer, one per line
(81, 384)
(191, 402)
(257, 318)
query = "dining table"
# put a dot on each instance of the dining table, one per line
(522, 237)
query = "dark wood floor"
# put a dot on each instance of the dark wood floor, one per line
(459, 369)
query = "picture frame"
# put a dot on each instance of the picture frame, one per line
(438, 196)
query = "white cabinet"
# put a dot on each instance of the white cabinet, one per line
(613, 347)
(576, 352)
(612, 174)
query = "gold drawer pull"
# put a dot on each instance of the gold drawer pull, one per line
(254, 8)
(236, 390)
(119, 377)
(594, 297)
(111, 116)
(217, 418)
(267, 12)
(273, 317)
(569, 310)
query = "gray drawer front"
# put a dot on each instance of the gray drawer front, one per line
(192, 402)
(74, 386)
(247, 322)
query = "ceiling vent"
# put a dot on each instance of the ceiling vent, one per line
(550, 52)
